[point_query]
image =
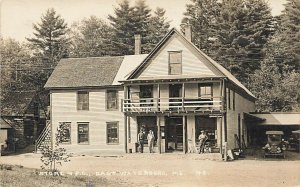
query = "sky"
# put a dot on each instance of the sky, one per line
(18, 16)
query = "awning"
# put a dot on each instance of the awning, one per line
(252, 118)
(296, 132)
(278, 118)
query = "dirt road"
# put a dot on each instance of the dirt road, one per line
(176, 170)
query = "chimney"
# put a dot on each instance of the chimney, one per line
(187, 28)
(137, 44)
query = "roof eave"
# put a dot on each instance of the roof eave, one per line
(82, 87)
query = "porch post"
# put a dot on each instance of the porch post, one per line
(158, 134)
(125, 132)
(183, 96)
(184, 133)
(125, 119)
(158, 98)
(239, 131)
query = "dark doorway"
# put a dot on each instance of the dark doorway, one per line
(147, 123)
(174, 134)
(209, 125)
(175, 94)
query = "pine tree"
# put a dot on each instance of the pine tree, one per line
(141, 18)
(137, 19)
(50, 39)
(201, 15)
(285, 45)
(158, 27)
(91, 38)
(123, 28)
(243, 28)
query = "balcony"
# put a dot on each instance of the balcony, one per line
(171, 105)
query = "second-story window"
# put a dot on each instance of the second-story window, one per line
(111, 100)
(205, 91)
(175, 62)
(233, 100)
(146, 91)
(82, 100)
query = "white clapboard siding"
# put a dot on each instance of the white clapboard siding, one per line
(191, 63)
(64, 109)
(242, 105)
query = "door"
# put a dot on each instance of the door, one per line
(175, 95)
(174, 134)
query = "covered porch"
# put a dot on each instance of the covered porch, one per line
(175, 133)
(174, 95)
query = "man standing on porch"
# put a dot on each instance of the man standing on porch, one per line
(150, 139)
(202, 137)
(141, 141)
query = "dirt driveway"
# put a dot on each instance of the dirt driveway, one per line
(176, 170)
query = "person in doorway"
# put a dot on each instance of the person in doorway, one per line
(150, 139)
(202, 138)
(141, 141)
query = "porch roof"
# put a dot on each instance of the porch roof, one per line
(252, 118)
(174, 78)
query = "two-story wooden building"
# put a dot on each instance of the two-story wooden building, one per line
(176, 91)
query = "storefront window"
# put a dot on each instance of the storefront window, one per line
(83, 133)
(65, 129)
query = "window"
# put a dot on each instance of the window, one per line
(65, 128)
(82, 100)
(233, 100)
(112, 130)
(146, 91)
(229, 100)
(83, 133)
(175, 62)
(111, 100)
(36, 109)
(205, 91)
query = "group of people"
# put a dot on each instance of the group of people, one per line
(141, 139)
(150, 137)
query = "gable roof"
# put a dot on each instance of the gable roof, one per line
(4, 124)
(218, 67)
(84, 72)
(16, 103)
(130, 62)
(21, 103)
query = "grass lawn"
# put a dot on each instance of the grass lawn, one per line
(16, 175)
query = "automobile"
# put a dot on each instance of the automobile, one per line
(294, 140)
(275, 146)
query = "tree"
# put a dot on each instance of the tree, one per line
(266, 86)
(50, 41)
(130, 20)
(201, 15)
(55, 155)
(15, 59)
(290, 91)
(123, 28)
(243, 28)
(91, 38)
(141, 19)
(284, 45)
(158, 28)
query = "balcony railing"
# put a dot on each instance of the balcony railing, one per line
(177, 104)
